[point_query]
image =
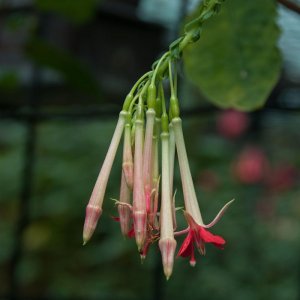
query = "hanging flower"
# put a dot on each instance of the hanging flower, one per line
(146, 202)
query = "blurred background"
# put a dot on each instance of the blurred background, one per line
(65, 68)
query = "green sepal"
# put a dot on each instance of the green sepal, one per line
(127, 102)
(158, 105)
(175, 111)
(164, 123)
(151, 96)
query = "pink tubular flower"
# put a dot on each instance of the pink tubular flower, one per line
(171, 168)
(94, 207)
(167, 243)
(196, 231)
(147, 158)
(139, 203)
(127, 164)
(124, 207)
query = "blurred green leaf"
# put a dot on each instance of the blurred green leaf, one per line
(77, 11)
(236, 63)
(73, 71)
(9, 80)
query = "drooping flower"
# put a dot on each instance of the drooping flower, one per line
(147, 158)
(151, 216)
(127, 164)
(197, 233)
(94, 207)
(124, 207)
(139, 204)
(197, 236)
(167, 243)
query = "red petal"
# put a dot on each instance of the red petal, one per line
(117, 219)
(131, 233)
(208, 237)
(192, 259)
(187, 248)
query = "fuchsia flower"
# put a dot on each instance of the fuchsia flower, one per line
(197, 236)
(146, 213)
(94, 207)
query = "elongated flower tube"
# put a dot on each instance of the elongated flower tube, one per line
(197, 234)
(123, 207)
(127, 164)
(94, 207)
(171, 156)
(152, 216)
(155, 146)
(171, 168)
(167, 243)
(147, 158)
(190, 198)
(139, 203)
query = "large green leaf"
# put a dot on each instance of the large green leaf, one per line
(236, 63)
(73, 71)
(76, 10)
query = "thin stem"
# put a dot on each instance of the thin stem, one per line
(290, 5)
(132, 103)
(163, 101)
(140, 81)
(171, 79)
(175, 77)
(157, 67)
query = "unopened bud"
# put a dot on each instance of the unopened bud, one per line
(127, 157)
(167, 248)
(140, 227)
(93, 213)
(123, 208)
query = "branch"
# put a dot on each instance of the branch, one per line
(290, 5)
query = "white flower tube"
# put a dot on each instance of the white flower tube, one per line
(190, 198)
(172, 147)
(94, 207)
(127, 164)
(171, 156)
(123, 207)
(167, 243)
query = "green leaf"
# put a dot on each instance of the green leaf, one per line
(9, 80)
(236, 63)
(77, 11)
(73, 71)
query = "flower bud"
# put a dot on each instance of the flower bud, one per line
(94, 208)
(147, 158)
(139, 203)
(167, 248)
(167, 243)
(93, 213)
(124, 210)
(127, 157)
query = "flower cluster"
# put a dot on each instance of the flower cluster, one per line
(146, 211)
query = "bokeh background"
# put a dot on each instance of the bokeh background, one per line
(65, 68)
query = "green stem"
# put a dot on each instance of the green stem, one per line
(209, 8)
(140, 108)
(191, 35)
